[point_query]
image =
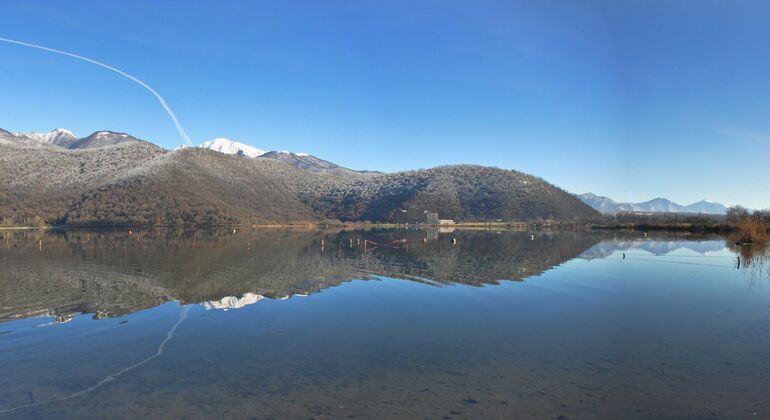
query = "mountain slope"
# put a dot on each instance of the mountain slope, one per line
(460, 192)
(313, 164)
(137, 183)
(101, 139)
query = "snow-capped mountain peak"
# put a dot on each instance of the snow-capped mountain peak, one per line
(59, 136)
(304, 161)
(231, 147)
(103, 134)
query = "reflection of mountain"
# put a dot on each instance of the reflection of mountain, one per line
(653, 246)
(111, 274)
(479, 257)
(233, 302)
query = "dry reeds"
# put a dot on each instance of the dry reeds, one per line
(752, 230)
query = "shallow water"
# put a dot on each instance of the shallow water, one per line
(271, 324)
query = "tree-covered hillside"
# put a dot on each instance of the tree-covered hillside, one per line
(137, 183)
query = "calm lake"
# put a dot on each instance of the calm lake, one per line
(326, 324)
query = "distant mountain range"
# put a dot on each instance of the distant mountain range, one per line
(111, 178)
(66, 139)
(657, 205)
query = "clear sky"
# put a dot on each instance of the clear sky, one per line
(629, 99)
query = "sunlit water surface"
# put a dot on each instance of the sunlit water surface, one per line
(270, 323)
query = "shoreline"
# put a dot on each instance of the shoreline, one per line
(521, 226)
(8, 228)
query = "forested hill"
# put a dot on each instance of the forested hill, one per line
(137, 183)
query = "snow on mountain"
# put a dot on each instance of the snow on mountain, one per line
(58, 137)
(230, 147)
(233, 302)
(64, 138)
(304, 161)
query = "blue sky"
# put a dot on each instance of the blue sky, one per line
(631, 99)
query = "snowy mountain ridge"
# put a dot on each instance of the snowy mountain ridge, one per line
(301, 160)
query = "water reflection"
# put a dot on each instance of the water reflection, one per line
(60, 274)
(110, 273)
(670, 331)
(754, 259)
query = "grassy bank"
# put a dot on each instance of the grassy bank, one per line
(749, 227)
(751, 231)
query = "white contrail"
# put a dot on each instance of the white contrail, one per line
(111, 377)
(163, 103)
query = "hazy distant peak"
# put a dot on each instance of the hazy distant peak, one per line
(656, 205)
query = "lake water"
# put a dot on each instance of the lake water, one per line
(273, 324)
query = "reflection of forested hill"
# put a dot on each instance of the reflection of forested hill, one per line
(478, 257)
(112, 273)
